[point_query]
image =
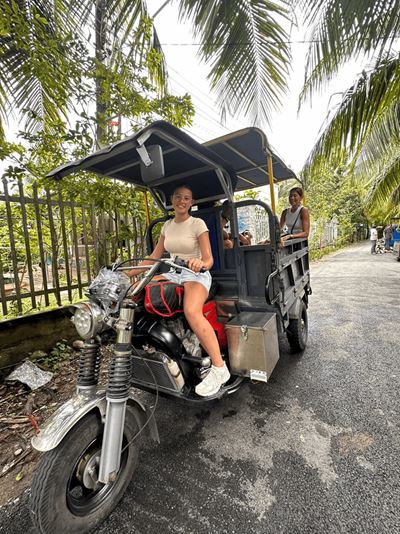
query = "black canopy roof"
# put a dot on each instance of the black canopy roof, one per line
(246, 152)
(235, 162)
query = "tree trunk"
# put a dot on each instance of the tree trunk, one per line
(101, 33)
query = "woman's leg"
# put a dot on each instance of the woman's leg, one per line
(194, 299)
(195, 296)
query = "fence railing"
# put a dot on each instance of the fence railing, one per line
(51, 246)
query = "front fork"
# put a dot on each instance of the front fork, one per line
(117, 395)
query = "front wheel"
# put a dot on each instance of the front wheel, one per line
(297, 332)
(66, 495)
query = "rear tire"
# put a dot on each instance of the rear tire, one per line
(297, 332)
(64, 497)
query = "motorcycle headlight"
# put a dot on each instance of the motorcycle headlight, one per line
(88, 319)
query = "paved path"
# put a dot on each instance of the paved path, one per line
(314, 451)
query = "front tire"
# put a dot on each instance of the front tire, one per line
(297, 332)
(66, 496)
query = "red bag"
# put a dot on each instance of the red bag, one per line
(210, 313)
(164, 298)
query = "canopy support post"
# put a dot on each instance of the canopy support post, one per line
(146, 205)
(271, 184)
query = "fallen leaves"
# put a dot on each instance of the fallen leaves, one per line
(359, 442)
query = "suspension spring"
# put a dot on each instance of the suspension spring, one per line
(89, 363)
(120, 371)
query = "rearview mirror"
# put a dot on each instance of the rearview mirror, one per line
(151, 163)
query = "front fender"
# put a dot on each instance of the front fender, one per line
(66, 416)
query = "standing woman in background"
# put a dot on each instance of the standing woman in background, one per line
(295, 219)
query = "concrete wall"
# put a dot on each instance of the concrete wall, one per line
(39, 331)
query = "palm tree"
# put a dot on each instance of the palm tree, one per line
(368, 118)
(44, 52)
(243, 40)
(33, 59)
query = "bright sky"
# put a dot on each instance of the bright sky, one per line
(290, 134)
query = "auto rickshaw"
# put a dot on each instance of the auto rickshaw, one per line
(260, 292)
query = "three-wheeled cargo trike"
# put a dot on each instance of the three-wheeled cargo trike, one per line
(260, 291)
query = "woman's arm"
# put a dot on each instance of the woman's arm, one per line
(282, 221)
(156, 254)
(207, 260)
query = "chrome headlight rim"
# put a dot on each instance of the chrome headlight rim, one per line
(96, 316)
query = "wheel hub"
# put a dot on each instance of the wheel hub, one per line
(88, 470)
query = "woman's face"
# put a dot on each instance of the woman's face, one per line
(182, 200)
(294, 199)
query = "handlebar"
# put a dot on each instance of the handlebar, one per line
(177, 263)
(184, 263)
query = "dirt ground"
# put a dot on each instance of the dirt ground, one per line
(21, 413)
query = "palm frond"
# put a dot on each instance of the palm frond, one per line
(367, 102)
(383, 135)
(342, 29)
(384, 185)
(131, 29)
(248, 50)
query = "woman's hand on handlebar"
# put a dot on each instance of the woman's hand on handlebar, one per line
(196, 265)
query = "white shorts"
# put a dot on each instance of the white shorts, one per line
(180, 278)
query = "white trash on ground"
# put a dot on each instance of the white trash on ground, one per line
(30, 374)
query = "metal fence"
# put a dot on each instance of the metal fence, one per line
(51, 246)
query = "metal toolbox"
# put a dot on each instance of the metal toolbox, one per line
(253, 344)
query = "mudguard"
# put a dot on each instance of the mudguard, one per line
(66, 416)
(295, 309)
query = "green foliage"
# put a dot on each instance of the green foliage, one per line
(367, 121)
(248, 49)
(46, 56)
(245, 195)
(332, 194)
(40, 61)
(57, 356)
(343, 30)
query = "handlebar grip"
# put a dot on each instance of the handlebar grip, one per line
(184, 263)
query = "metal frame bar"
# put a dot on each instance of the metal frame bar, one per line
(26, 239)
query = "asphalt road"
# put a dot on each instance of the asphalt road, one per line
(317, 450)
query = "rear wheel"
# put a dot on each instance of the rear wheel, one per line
(297, 332)
(66, 495)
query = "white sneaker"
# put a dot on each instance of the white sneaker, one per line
(213, 381)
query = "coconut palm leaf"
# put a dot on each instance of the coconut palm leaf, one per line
(248, 51)
(384, 133)
(341, 29)
(384, 186)
(32, 60)
(130, 28)
(133, 32)
(369, 101)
